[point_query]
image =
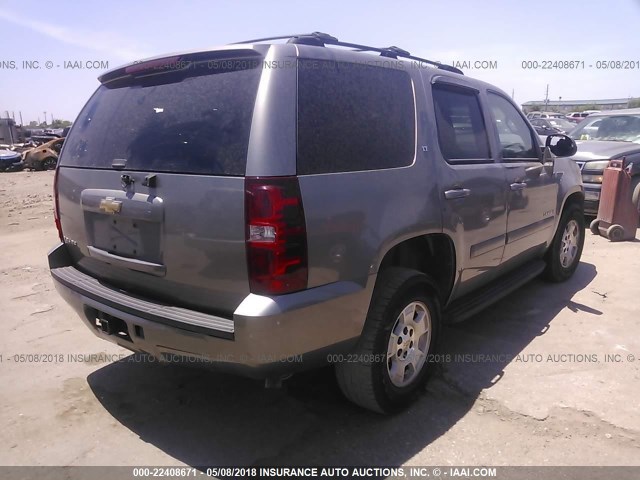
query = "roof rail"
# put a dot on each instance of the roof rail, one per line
(320, 39)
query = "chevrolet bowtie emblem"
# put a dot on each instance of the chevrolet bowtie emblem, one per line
(110, 205)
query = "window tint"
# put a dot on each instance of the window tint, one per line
(461, 130)
(353, 117)
(516, 139)
(171, 123)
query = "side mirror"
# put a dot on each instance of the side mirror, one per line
(563, 146)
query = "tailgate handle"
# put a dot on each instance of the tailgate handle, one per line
(156, 269)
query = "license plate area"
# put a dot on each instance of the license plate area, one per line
(591, 195)
(125, 237)
(128, 226)
(120, 236)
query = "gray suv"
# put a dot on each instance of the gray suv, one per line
(269, 207)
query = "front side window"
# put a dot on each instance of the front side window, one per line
(515, 137)
(461, 131)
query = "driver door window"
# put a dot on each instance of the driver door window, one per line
(514, 135)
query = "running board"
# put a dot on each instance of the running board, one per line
(474, 302)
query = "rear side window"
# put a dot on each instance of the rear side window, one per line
(197, 123)
(353, 117)
(461, 131)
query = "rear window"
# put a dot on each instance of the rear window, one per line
(169, 122)
(353, 117)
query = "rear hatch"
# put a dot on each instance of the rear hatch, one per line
(151, 179)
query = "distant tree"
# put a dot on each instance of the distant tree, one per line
(60, 123)
(33, 124)
(634, 103)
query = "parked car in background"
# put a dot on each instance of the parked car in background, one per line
(579, 116)
(44, 157)
(10, 160)
(532, 115)
(547, 126)
(42, 139)
(602, 137)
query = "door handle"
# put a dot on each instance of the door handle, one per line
(457, 193)
(515, 187)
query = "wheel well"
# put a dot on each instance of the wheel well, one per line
(576, 198)
(434, 255)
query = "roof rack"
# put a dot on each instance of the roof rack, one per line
(320, 39)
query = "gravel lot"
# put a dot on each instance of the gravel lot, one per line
(548, 396)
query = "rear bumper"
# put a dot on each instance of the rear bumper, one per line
(267, 336)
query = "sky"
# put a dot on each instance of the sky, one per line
(467, 33)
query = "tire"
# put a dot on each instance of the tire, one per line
(49, 163)
(367, 381)
(595, 227)
(615, 233)
(564, 253)
(635, 191)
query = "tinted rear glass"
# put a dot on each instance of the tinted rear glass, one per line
(353, 117)
(171, 122)
(461, 130)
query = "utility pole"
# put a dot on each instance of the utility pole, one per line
(45, 118)
(513, 94)
(546, 98)
(21, 122)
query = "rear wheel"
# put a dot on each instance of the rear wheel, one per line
(391, 361)
(565, 251)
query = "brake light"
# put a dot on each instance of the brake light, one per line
(276, 235)
(158, 64)
(56, 206)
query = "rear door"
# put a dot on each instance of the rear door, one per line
(533, 192)
(473, 183)
(151, 182)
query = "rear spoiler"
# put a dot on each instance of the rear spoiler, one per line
(182, 62)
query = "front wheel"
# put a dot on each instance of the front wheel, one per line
(392, 359)
(565, 251)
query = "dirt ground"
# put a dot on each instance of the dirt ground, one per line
(562, 386)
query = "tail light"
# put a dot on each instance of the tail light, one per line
(56, 206)
(276, 235)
